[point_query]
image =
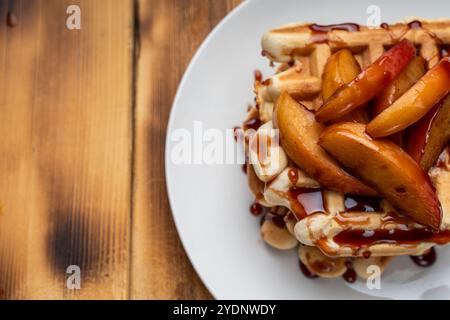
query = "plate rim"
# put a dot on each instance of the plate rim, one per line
(169, 129)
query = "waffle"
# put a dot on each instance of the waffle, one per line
(301, 52)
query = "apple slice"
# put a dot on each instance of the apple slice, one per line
(368, 83)
(415, 69)
(341, 68)
(429, 136)
(384, 166)
(299, 134)
(415, 103)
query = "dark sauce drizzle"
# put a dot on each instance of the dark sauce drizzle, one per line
(311, 200)
(355, 203)
(306, 201)
(425, 260)
(256, 209)
(252, 123)
(306, 271)
(416, 24)
(349, 27)
(349, 275)
(363, 238)
(258, 75)
(319, 33)
(384, 26)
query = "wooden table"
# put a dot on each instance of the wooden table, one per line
(83, 119)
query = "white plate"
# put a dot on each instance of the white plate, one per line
(210, 202)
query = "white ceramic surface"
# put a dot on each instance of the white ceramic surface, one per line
(210, 202)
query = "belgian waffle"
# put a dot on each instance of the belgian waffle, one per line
(323, 223)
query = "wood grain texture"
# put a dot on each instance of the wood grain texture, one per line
(83, 120)
(66, 141)
(170, 33)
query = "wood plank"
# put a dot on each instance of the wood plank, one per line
(170, 32)
(65, 164)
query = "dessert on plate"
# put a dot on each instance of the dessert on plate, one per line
(347, 144)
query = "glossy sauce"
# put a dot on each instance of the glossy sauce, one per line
(425, 260)
(319, 33)
(384, 26)
(293, 176)
(289, 217)
(416, 24)
(236, 133)
(349, 27)
(306, 201)
(362, 238)
(306, 271)
(264, 53)
(349, 275)
(277, 220)
(420, 132)
(413, 25)
(252, 123)
(258, 75)
(256, 209)
(355, 203)
(322, 266)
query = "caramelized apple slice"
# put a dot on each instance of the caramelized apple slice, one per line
(299, 133)
(341, 68)
(428, 137)
(369, 83)
(406, 79)
(415, 103)
(387, 168)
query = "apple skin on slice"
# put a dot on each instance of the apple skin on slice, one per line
(299, 134)
(415, 69)
(384, 166)
(429, 136)
(415, 103)
(368, 83)
(340, 69)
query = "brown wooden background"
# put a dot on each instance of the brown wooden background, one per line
(83, 117)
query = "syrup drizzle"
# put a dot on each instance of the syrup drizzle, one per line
(349, 27)
(306, 271)
(364, 238)
(355, 203)
(256, 209)
(426, 260)
(305, 201)
(310, 200)
(258, 75)
(277, 220)
(319, 33)
(252, 123)
(349, 275)
(416, 24)
(413, 25)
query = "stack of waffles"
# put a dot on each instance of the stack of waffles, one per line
(356, 177)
